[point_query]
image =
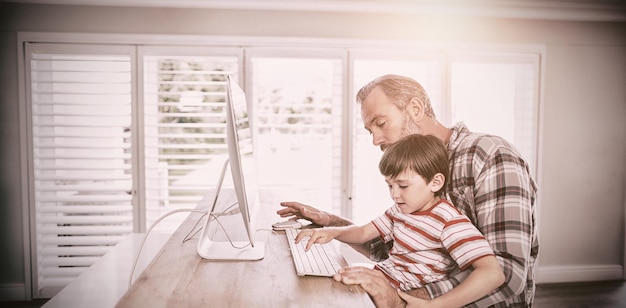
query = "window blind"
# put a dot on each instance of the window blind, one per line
(185, 132)
(298, 113)
(82, 160)
(507, 87)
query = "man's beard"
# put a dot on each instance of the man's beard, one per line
(408, 128)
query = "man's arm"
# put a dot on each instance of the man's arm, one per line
(297, 210)
(501, 207)
(374, 283)
(486, 277)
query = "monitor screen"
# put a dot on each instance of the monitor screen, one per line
(242, 166)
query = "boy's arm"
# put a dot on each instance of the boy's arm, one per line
(376, 249)
(350, 234)
(486, 277)
(358, 234)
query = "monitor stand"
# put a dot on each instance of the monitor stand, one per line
(228, 250)
(211, 250)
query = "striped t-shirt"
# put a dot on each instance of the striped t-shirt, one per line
(428, 244)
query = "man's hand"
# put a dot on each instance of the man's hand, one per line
(374, 283)
(413, 302)
(419, 293)
(296, 210)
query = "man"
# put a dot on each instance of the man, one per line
(490, 182)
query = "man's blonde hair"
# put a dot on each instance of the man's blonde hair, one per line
(400, 90)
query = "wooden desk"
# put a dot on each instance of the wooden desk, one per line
(178, 277)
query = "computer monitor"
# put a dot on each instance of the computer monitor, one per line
(242, 166)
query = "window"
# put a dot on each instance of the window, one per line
(81, 157)
(497, 94)
(184, 137)
(122, 134)
(90, 136)
(297, 105)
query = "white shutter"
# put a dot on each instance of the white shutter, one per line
(80, 108)
(498, 94)
(298, 103)
(184, 123)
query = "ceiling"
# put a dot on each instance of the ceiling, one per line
(583, 10)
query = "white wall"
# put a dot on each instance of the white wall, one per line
(583, 150)
(582, 213)
(12, 278)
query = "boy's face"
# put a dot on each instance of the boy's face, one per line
(385, 122)
(411, 192)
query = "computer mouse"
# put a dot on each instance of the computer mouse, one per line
(287, 224)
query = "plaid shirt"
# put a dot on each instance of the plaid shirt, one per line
(492, 185)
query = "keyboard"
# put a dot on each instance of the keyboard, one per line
(320, 260)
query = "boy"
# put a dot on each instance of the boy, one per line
(431, 237)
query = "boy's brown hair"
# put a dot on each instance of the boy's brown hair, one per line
(424, 154)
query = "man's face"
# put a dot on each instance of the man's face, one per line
(385, 122)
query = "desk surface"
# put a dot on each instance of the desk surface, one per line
(179, 277)
(106, 281)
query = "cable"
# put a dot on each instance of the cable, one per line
(187, 237)
(143, 241)
(213, 216)
(267, 239)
